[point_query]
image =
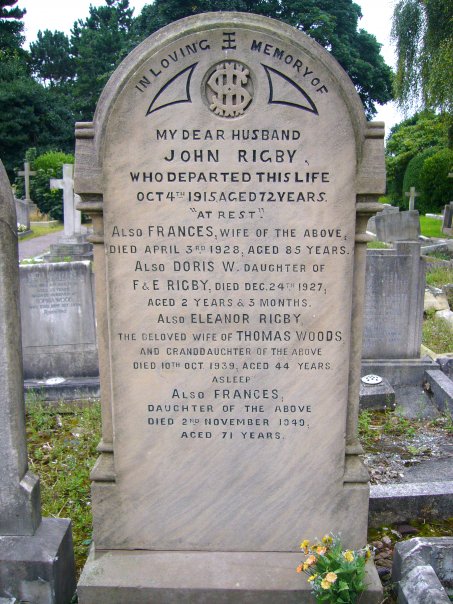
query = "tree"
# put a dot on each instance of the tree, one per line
(407, 140)
(11, 26)
(51, 58)
(31, 116)
(423, 33)
(98, 44)
(332, 23)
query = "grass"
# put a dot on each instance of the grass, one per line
(62, 442)
(432, 227)
(439, 276)
(437, 334)
(377, 245)
(39, 231)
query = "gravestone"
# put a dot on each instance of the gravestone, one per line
(58, 322)
(26, 173)
(230, 174)
(393, 316)
(36, 556)
(447, 224)
(398, 226)
(73, 244)
(412, 194)
(22, 212)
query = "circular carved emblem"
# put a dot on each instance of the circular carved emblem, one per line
(229, 89)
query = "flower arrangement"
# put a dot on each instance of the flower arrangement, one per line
(336, 575)
(21, 228)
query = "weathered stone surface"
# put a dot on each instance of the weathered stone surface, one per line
(394, 302)
(36, 557)
(117, 577)
(398, 226)
(435, 299)
(58, 322)
(22, 212)
(420, 565)
(39, 569)
(19, 489)
(441, 387)
(230, 174)
(446, 315)
(401, 502)
(377, 396)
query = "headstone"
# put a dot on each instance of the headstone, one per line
(36, 557)
(398, 226)
(447, 225)
(395, 287)
(22, 212)
(412, 194)
(386, 209)
(26, 173)
(230, 174)
(58, 323)
(73, 244)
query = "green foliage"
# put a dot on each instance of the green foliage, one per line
(62, 450)
(11, 26)
(412, 179)
(48, 165)
(51, 57)
(336, 575)
(332, 23)
(423, 34)
(406, 140)
(436, 186)
(98, 44)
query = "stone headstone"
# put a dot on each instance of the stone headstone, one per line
(36, 557)
(58, 323)
(395, 286)
(22, 212)
(412, 194)
(447, 224)
(398, 226)
(386, 209)
(230, 174)
(73, 244)
(26, 173)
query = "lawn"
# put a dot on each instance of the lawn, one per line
(39, 231)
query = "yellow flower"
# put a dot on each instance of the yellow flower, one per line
(312, 578)
(325, 584)
(348, 555)
(321, 550)
(299, 569)
(305, 545)
(327, 539)
(310, 560)
(367, 554)
(331, 577)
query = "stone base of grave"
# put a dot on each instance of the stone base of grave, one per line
(377, 396)
(139, 577)
(39, 568)
(76, 248)
(399, 371)
(67, 389)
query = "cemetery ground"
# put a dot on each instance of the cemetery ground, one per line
(62, 441)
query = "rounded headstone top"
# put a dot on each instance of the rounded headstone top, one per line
(7, 207)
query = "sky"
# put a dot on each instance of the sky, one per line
(61, 14)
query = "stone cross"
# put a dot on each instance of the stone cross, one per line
(412, 194)
(72, 217)
(26, 173)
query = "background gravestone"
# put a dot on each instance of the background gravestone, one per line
(36, 556)
(398, 226)
(395, 288)
(229, 207)
(58, 323)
